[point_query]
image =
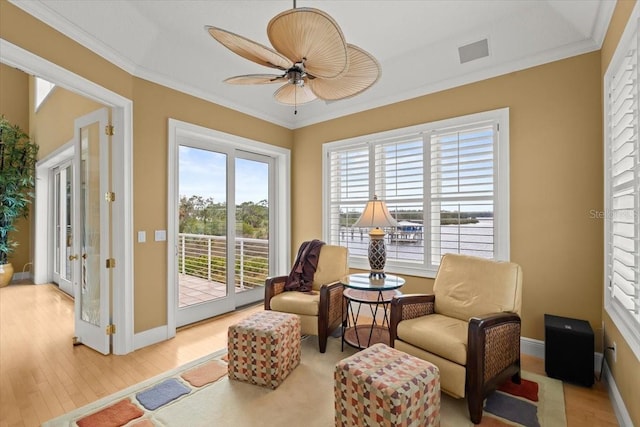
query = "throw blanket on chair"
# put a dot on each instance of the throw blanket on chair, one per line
(301, 276)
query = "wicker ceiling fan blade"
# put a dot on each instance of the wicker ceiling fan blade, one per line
(364, 71)
(256, 79)
(249, 49)
(310, 36)
(291, 94)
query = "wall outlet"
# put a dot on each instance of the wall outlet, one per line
(615, 352)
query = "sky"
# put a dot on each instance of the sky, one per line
(203, 173)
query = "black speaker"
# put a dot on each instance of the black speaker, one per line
(568, 349)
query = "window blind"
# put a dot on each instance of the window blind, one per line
(399, 181)
(348, 195)
(623, 176)
(462, 171)
(446, 183)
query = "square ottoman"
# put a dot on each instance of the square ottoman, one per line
(264, 348)
(382, 386)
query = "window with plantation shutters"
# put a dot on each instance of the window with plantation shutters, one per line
(622, 197)
(348, 173)
(462, 190)
(444, 182)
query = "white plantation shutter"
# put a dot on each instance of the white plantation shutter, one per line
(399, 181)
(622, 175)
(462, 191)
(440, 181)
(348, 195)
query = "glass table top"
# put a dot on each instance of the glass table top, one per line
(362, 281)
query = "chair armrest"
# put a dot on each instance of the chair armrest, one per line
(272, 287)
(410, 306)
(493, 346)
(331, 302)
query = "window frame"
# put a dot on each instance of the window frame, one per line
(627, 324)
(501, 184)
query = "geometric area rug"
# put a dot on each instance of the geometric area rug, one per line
(201, 394)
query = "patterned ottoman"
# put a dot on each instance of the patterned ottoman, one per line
(264, 348)
(381, 386)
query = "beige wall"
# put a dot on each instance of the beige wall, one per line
(14, 106)
(626, 368)
(556, 170)
(556, 177)
(152, 106)
(53, 124)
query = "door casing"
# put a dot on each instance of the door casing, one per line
(122, 155)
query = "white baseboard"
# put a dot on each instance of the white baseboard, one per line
(535, 348)
(149, 337)
(23, 275)
(624, 419)
(532, 347)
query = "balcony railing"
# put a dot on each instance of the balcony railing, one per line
(205, 257)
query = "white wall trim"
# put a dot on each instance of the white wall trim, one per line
(42, 206)
(122, 184)
(619, 408)
(150, 337)
(22, 275)
(282, 226)
(533, 347)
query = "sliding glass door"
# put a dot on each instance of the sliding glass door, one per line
(223, 246)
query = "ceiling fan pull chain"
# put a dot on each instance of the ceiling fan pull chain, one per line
(295, 97)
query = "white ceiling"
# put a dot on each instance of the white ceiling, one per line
(416, 43)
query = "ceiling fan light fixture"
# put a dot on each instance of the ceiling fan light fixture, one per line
(313, 36)
(310, 48)
(296, 74)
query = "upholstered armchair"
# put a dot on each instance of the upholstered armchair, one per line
(320, 311)
(469, 327)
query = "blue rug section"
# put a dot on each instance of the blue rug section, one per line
(161, 394)
(512, 409)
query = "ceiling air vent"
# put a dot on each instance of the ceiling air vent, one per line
(473, 51)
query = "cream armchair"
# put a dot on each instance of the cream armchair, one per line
(469, 328)
(321, 310)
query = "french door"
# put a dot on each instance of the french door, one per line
(63, 226)
(224, 251)
(91, 261)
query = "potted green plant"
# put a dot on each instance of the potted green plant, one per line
(18, 155)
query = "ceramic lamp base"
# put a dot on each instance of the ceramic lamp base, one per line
(377, 253)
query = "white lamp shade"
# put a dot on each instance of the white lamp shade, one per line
(376, 214)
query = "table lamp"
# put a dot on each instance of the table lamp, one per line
(374, 216)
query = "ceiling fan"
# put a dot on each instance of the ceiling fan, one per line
(311, 51)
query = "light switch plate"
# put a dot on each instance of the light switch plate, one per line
(161, 235)
(142, 236)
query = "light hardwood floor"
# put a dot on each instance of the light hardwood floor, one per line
(42, 375)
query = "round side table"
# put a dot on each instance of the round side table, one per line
(376, 293)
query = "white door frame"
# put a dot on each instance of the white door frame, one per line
(281, 226)
(58, 213)
(122, 184)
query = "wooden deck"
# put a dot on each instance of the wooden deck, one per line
(194, 290)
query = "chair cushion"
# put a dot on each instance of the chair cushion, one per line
(332, 266)
(296, 302)
(467, 286)
(437, 334)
